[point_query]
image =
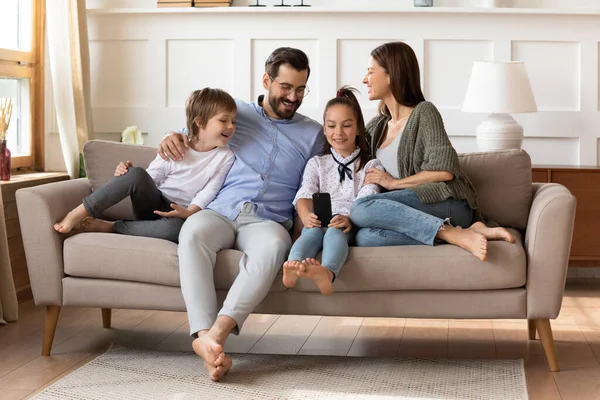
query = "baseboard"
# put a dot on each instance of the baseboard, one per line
(24, 294)
(583, 272)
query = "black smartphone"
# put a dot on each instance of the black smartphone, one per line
(322, 208)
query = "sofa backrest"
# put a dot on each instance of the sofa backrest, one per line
(101, 157)
(502, 179)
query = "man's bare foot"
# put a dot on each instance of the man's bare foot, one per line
(467, 239)
(323, 277)
(492, 233)
(216, 362)
(72, 220)
(97, 225)
(217, 373)
(290, 273)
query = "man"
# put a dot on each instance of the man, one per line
(253, 210)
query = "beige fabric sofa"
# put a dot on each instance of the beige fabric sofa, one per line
(522, 280)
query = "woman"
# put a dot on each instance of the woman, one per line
(428, 197)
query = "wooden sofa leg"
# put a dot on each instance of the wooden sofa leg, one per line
(531, 329)
(106, 317)
(545, 331)
(52, 313)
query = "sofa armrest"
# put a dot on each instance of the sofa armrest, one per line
(39, 208)
(548, 244)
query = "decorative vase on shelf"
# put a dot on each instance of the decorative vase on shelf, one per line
(6, 108)
(423, 3)
(4, 161)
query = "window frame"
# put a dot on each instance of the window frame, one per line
(30, 65)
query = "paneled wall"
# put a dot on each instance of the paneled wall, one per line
(144, 62)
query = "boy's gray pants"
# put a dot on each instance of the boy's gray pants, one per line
(145, 199)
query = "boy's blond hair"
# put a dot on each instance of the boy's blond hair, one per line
(204, 104)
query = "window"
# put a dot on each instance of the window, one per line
(21, 78)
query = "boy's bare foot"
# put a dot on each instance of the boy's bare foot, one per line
(290, 273)
(467, 239)
(72, 220)
(492, 233)
(97, 225)
(216, 362)
(323, 277)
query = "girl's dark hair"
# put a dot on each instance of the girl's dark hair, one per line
(345, 96)
(204, 104)
(400, 62)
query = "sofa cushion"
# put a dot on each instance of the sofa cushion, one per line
(503, 185)
(101, 157)
(138, 259)
(444, 267)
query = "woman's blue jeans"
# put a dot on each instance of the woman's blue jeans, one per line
(399, 218)
(333, 241)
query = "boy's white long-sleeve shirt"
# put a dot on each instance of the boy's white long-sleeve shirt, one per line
(196, 179)
(321, 175)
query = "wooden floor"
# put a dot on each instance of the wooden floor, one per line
(80, 337)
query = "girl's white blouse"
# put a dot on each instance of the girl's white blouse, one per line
(321, 175)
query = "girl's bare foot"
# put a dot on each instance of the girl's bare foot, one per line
(72, 220)
(216, 362)
(290, 273)
(492, 233)
(467, 239)
(323, 277)
(97, 225)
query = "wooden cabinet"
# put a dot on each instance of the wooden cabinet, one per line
(11, 231)
(584, 184)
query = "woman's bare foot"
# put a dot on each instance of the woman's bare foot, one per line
(72, 220)
(492, 233)
(467, 239)
(216, 362)
(97, 225)
(323, 277)
(290, 273)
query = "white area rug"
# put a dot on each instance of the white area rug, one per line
(129, 374)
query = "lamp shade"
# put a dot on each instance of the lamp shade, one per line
(499, 87)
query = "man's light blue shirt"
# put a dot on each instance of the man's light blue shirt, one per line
(270, 156)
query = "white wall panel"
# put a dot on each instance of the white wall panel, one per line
(448, 66)
(194, 64)
(560, 151)
(554, 69)
(139, 78)
(119, 72)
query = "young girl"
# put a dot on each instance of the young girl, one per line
(168, 192)
(340, 173)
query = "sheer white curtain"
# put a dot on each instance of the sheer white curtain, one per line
(68, 52)
(8, 294)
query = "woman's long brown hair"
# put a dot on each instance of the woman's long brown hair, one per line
(400, 62)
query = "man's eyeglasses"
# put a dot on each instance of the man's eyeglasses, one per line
(286, 88)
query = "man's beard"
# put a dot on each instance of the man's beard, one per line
(274, 102)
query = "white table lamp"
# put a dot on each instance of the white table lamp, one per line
(499, 88)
